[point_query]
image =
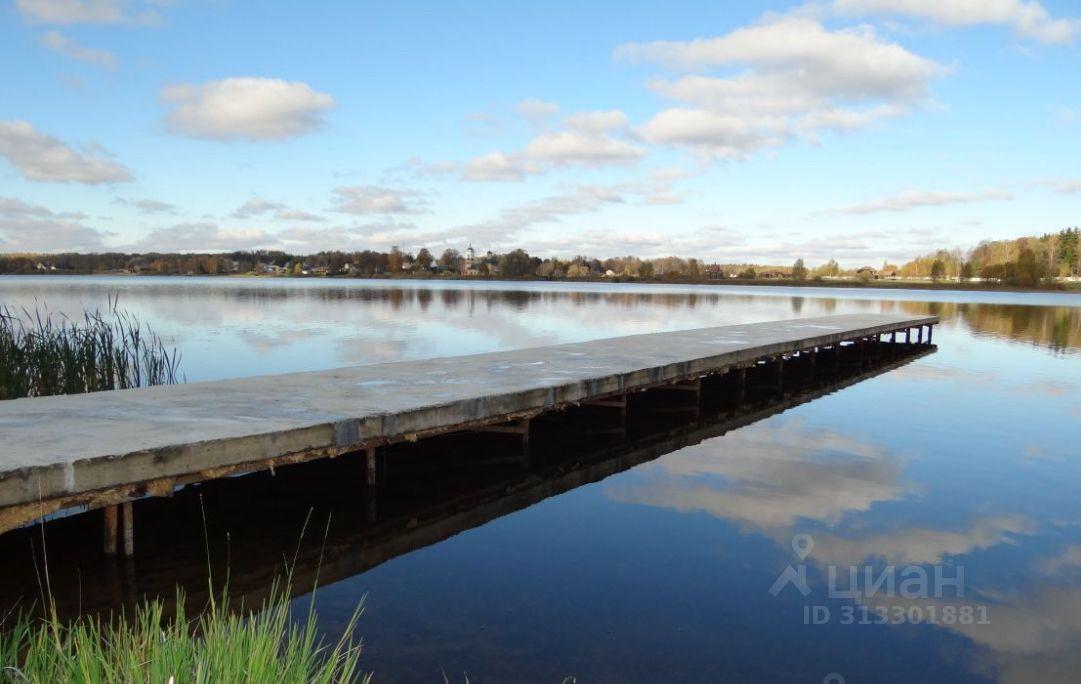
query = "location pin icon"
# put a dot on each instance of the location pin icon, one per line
(802, 545)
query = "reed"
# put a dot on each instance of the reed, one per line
(43, 353)
(220, 644)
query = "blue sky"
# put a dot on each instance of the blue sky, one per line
(858, 129)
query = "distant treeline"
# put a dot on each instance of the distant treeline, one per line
(1027, 262)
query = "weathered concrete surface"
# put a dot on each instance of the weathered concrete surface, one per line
(52, 447)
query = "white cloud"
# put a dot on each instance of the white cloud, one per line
(149, 206)
(640, 243)
(245, 109)
(584, 139)
(915, 199)
(580, 148)
(798, 79)
(1026, 18)
(597, 122)
(11, 207)
(376, 199)
(49, 235)
(1064, 187)
(200, 236)
(495, 166)
(85, 12)
(483, 125)
(26, 227)
(58, 42)
(209, 236)
(503, 229)
(536, 111)
(257, 206)
(851, 60)
(717, 134)
(296, 215)
(40, 157)
(1066, 116)
(305, 240)
(154, 206)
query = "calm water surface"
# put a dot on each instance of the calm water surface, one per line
(966, 461)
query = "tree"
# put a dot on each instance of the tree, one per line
(424, 258)
(830, 269)
(451, 260)
(1029, 272)
(395, 260)
(645, 270)
(748, 273)
(298, 269)
(515, 264)
(1070, 250)
(694, 271)
(967, 271)
(799, 271)
(938, 269)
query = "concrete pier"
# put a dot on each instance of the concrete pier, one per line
(107, 448)
(252, 521)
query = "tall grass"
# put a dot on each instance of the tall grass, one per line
(43, 353)
(219, 645)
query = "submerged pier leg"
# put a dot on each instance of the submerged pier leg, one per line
(930, 329)
(128, 522)
(110, 515)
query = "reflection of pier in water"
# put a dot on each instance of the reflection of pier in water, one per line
(425, 492)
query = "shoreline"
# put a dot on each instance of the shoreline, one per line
(1064, 288)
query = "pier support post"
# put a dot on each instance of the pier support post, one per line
(741, 385)
(930, 329)
(685, 386)
(371, 481)
(519, 427)
(811, 371)
(110, 515)
(128, 523)
(370, 469)
(691, 387)
(619, 403)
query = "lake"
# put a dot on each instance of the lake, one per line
(921, 521)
